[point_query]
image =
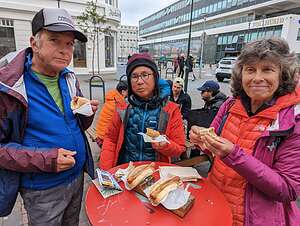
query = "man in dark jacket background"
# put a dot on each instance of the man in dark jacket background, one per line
(180, 97)
(212, 96)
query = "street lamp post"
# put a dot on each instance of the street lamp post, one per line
(202, 46)
(186, 78)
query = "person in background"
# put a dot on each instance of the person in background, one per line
(181, 61)
(257, 154)
(43, 147)
(212, 96)
(180, 97)
(148, 108)
(175, 64)
(190, 65)
(112, 98)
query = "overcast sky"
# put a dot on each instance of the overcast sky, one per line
(134, 10)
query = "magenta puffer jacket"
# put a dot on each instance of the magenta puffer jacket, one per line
(272, 171)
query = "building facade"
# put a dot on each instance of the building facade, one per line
(15, 31)
(223, 27)
(128, 42)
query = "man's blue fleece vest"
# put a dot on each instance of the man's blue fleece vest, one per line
(48, 127)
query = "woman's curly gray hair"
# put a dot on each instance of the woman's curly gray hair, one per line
(274, 50)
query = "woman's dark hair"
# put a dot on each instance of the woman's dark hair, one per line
(274, 50)
(122, 85)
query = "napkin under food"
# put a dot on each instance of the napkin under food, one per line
(85, 109)
(160, 138)
(185, 173)
(175, 199)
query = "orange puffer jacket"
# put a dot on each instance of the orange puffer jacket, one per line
(115, 135)
(244, 131)
(112, 99)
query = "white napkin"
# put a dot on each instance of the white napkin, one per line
(160, 138)
(175, 199)
(85, 109)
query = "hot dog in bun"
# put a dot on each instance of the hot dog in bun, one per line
(77, 102)
(139, 174)
(152, 133)
(161, 189)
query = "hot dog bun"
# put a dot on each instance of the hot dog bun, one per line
(152, 133)
(139, 174)
(208, 131)
(161, 189)
(77, 102)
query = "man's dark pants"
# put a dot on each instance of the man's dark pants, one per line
(55, 206)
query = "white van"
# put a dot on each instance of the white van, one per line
(224, 68)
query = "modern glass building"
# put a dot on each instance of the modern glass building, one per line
(222, 26)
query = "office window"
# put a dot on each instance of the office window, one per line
(109, 51)
(110, 2)
(79, 55)
(7, 37)
(224, 4)
(277, 33)
(298, 35)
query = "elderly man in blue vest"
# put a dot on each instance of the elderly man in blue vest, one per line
(40, 136)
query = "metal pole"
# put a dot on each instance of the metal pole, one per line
(202, 47)
(58, 3)
(98, 57)
(186, 78)
(263, 28)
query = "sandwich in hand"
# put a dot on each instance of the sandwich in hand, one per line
(160, 189)
(208, 131)
(77, 102)
(139, 174)
(152, 133)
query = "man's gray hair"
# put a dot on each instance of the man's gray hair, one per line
(37, 37)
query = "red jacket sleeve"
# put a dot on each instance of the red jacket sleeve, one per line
(175, 134)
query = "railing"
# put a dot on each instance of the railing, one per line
(97, 81)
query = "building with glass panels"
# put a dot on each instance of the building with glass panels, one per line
(15, 31)
(128, 41)
(223, 27)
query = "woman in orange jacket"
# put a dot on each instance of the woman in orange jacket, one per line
(114, 97)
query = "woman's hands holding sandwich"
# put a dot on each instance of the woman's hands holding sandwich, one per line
(206, 139)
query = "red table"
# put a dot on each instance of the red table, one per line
(127, 208)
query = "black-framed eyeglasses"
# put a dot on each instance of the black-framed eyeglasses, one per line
(144, 76)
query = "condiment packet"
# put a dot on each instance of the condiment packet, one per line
(160, 138)
(175, 199)
(106, 184)
(85, 109)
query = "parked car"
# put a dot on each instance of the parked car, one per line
(224, 68)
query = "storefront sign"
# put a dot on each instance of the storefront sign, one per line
(268, 22)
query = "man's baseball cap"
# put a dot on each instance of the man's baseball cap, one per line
(209, 85)
(178, 81)
(56, 20)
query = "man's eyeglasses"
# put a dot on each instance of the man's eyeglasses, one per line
(144, 76)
